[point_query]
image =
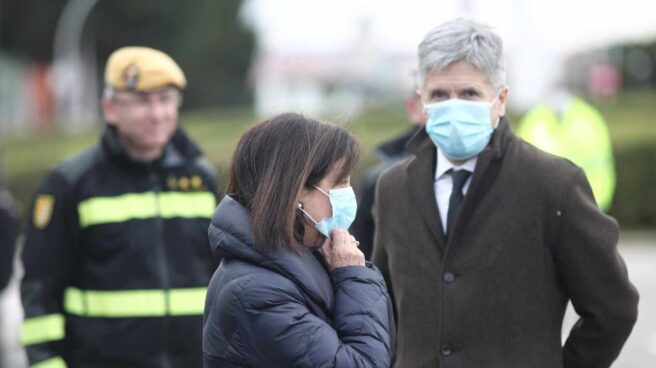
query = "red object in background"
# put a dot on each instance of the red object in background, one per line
(604, 81)
(40, 102)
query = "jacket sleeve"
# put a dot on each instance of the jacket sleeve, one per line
(596, 280)
(8, 234)
(48, 256)
(287, 334)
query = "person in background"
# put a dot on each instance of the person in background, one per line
(293, 289)
(117, 256)
(568, 126)
(389, 153)
(483, 239)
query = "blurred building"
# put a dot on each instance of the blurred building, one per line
(329, 82)
(325, 57)
(32, 102)
(25, 96)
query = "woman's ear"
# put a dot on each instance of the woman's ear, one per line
(303, 196)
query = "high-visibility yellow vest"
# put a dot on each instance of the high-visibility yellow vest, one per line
(579, 135)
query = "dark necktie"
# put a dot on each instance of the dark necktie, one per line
(459, 179)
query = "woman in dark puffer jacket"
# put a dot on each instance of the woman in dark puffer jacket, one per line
(293, 289)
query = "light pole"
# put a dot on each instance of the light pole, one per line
(73, 79)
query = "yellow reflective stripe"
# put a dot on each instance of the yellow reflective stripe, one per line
(74, 301)
(40, 329)
(56, 362)
(193, 204)
(102, 210)
(187, 301)
(128, 303)
(134, 303)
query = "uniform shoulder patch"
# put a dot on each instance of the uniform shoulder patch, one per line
(43, 206)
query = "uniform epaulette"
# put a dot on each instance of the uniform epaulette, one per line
(74, 167)
(207, 167)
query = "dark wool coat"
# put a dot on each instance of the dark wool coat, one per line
(528, 238)
(281, 309)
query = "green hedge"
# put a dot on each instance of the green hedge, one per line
(634, 204)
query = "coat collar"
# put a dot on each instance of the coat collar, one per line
(179, 150)
(231, 237)
(395, 148)
(421, 172)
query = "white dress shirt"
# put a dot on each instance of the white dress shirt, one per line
(444, 182)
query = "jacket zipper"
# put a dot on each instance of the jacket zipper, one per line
(163, 272)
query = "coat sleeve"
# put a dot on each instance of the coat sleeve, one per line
(596, 280)
(287, 334)
(379, 255)
(363, 226)
(50, 247)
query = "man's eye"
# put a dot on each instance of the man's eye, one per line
(437, 95)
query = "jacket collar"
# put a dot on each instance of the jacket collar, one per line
(231, 237)
(179, 150)
(395, 148)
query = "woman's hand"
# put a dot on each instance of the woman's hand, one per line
(342, 251)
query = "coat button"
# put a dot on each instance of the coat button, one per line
(448, 277)
(445, 350)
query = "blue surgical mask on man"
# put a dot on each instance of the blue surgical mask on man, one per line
(460, 128)
(344, 207)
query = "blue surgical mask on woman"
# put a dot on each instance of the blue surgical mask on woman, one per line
(460, 128)
(344, 206)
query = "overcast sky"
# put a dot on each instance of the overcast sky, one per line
(562, 24)
(538, 34)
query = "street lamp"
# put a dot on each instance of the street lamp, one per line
(73, 80)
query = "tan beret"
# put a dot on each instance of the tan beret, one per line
(142, 69)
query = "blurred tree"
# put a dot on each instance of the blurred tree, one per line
(27, 27)
(205, 37)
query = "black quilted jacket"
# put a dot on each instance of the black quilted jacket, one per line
(286, 310)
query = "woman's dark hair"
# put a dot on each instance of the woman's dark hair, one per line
(274, 161)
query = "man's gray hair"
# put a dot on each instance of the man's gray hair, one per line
(462, 39)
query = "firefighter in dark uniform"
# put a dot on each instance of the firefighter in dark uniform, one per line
(116, 255)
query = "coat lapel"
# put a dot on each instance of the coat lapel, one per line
(421, 171)
(487, 169)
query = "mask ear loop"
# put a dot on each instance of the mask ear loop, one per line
(321, 190)
(494, 100)
(300, 207)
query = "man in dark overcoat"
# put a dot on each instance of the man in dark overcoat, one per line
(484, 239)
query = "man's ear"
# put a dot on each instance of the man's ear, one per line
(109, 110)
(500, 106)
(424, 113)
(415, 110)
